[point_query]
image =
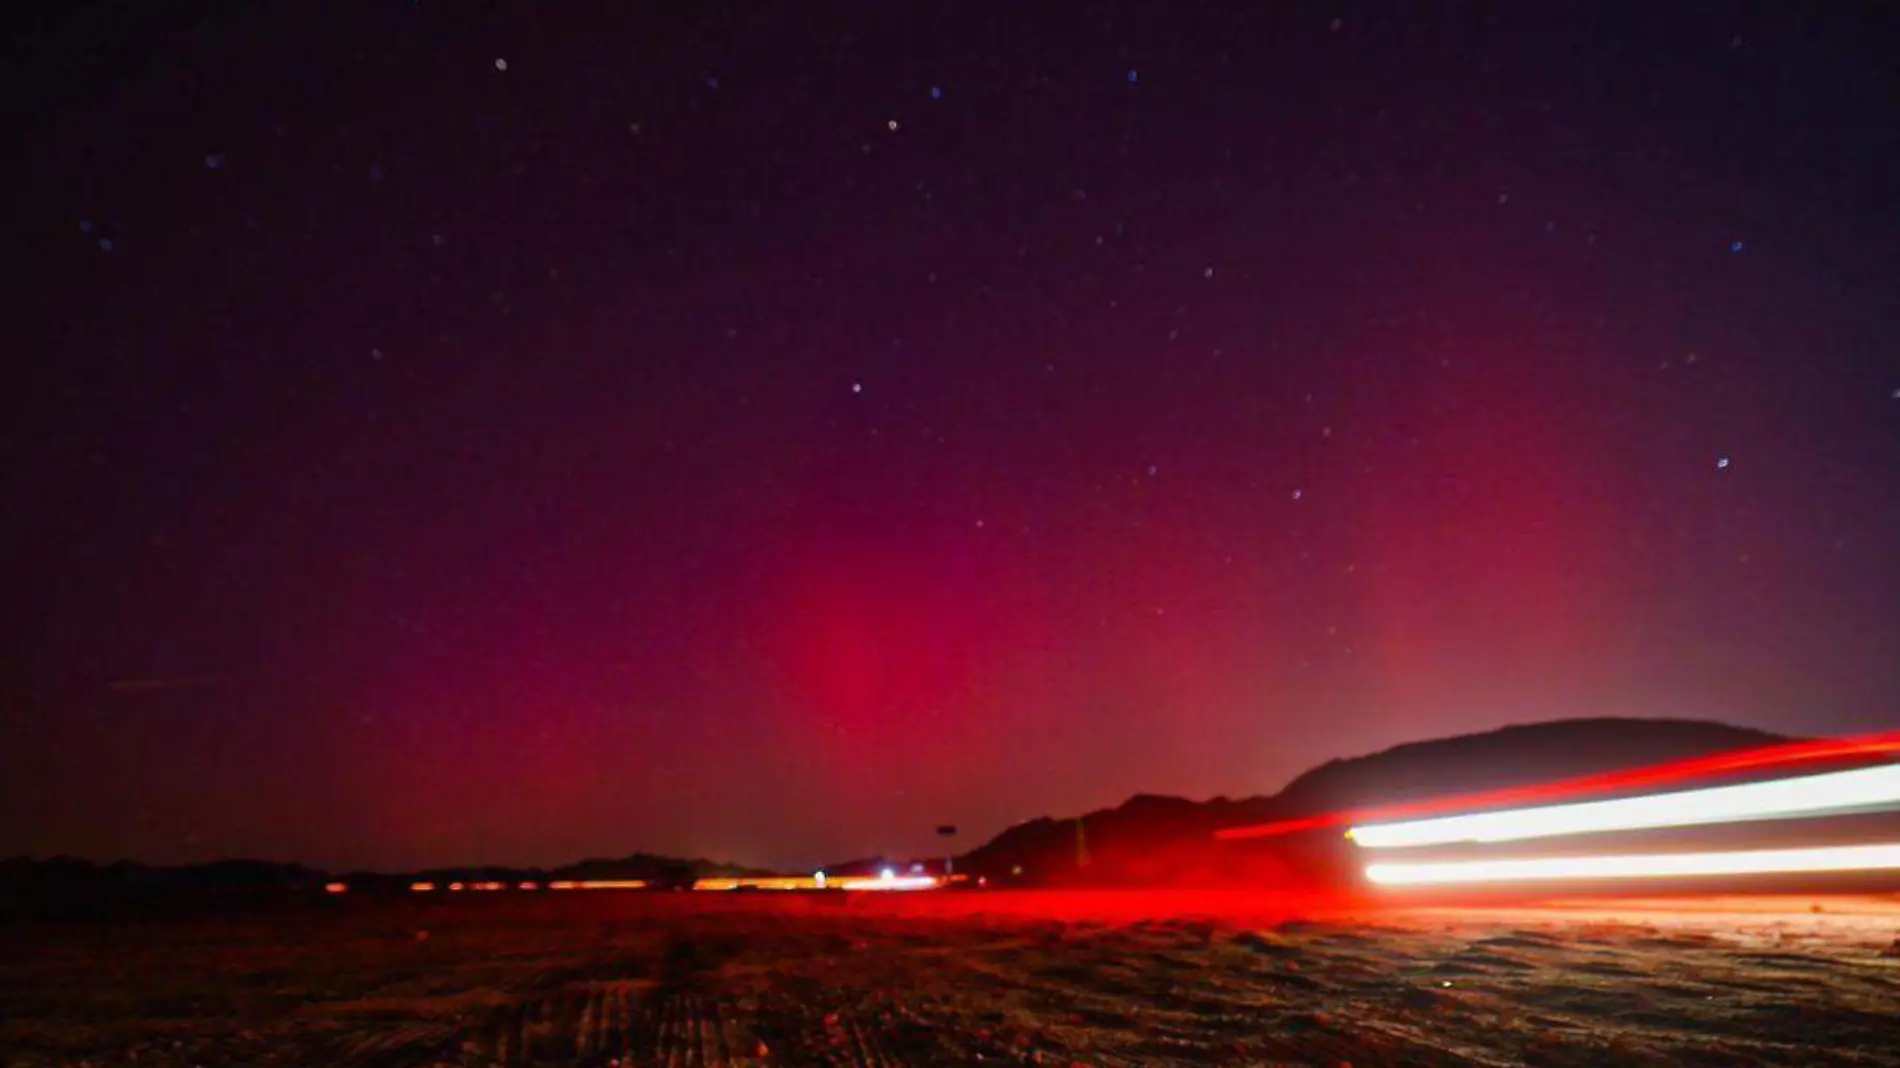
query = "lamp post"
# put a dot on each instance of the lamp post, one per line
(948, 831)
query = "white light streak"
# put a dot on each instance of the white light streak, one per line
(1806, 795)
(1882, 857)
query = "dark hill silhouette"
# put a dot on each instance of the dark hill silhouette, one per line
(1148, 838)
(1510, 756)
(1152, 838)
(655, 869)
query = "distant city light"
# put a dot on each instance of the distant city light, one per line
(336, 888)
(422, 888)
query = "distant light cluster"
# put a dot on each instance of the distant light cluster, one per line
(883, 881)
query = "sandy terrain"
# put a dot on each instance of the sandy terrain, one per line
(680, 980)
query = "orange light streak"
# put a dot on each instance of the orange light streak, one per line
(894, 883)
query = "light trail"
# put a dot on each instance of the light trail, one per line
(1717, 764)
(816, 882)
(1880, 857)
(1807, 795)
(895, 882)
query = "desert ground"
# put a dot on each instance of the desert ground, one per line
(1021, 977)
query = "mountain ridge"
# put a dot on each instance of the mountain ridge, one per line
(1147, 837)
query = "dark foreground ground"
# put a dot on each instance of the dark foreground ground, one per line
(612, 979)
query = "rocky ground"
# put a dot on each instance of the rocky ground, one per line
(677, 980)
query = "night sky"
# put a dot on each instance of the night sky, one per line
(440, 432)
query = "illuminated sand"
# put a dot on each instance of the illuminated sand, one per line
(1214, 978)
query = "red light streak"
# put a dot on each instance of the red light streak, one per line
(336, 888)
(1729, 763)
